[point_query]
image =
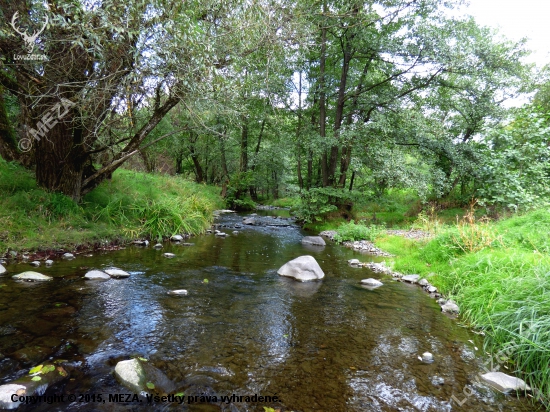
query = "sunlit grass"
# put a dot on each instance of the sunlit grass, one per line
(130, 205)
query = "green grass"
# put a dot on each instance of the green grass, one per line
(131, 205)
(499, 274)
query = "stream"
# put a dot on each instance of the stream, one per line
(330, 345)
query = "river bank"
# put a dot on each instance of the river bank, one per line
(498, 274)
(130, 206)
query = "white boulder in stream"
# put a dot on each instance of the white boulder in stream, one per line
(450, 307)
(249, 221)
(68, 256)
(96, 275)
(505, 383)
(117, 273)
(2, 270)
(313, 240)
(354, 262)
(373, 283)
(138, 376)
(303, 268)
(31, 276)
(178, 292)
(410, 278)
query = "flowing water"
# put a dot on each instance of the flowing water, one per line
(321, 346)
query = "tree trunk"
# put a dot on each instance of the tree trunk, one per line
(244, 145)
(339, 115)
(148, 161)
(322, 99)
(8, 142)
(199, 172)
(298, 135)
(61, 160)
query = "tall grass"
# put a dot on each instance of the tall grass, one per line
(130, 205)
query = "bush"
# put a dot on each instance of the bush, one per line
(352, 231)
(315, 204)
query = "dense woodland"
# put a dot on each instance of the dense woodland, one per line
(325, 100)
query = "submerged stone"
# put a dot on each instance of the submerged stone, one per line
(178, 292)
(313, 240)
(117, 273)
(2, 270)
(371, 282)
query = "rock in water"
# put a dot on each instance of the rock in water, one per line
(313, 240)
(410, 278)
(177, 238)
(6, 392)
(32, 384)
(249, 221)
(32, 276)
(97, 275)
(68, 256)
(427, 357)
(158, 246)
(169, 255)
(354, 262)
(2, 270)
(178, 292)
(117, 273)
(371, 282)
(35, 263)
(139, 376)
(450, 307)
(49, 262)
(303, 268)
(505, 383)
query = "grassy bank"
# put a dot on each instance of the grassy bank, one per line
(131, 205)
(499, 274)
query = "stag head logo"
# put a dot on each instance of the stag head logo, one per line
(29, 40)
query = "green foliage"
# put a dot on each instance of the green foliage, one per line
(516, 174)
(357, 231)
(237, 197)
(315, 204)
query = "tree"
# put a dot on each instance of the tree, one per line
(106, 61)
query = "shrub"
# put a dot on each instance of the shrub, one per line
(352, 231)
